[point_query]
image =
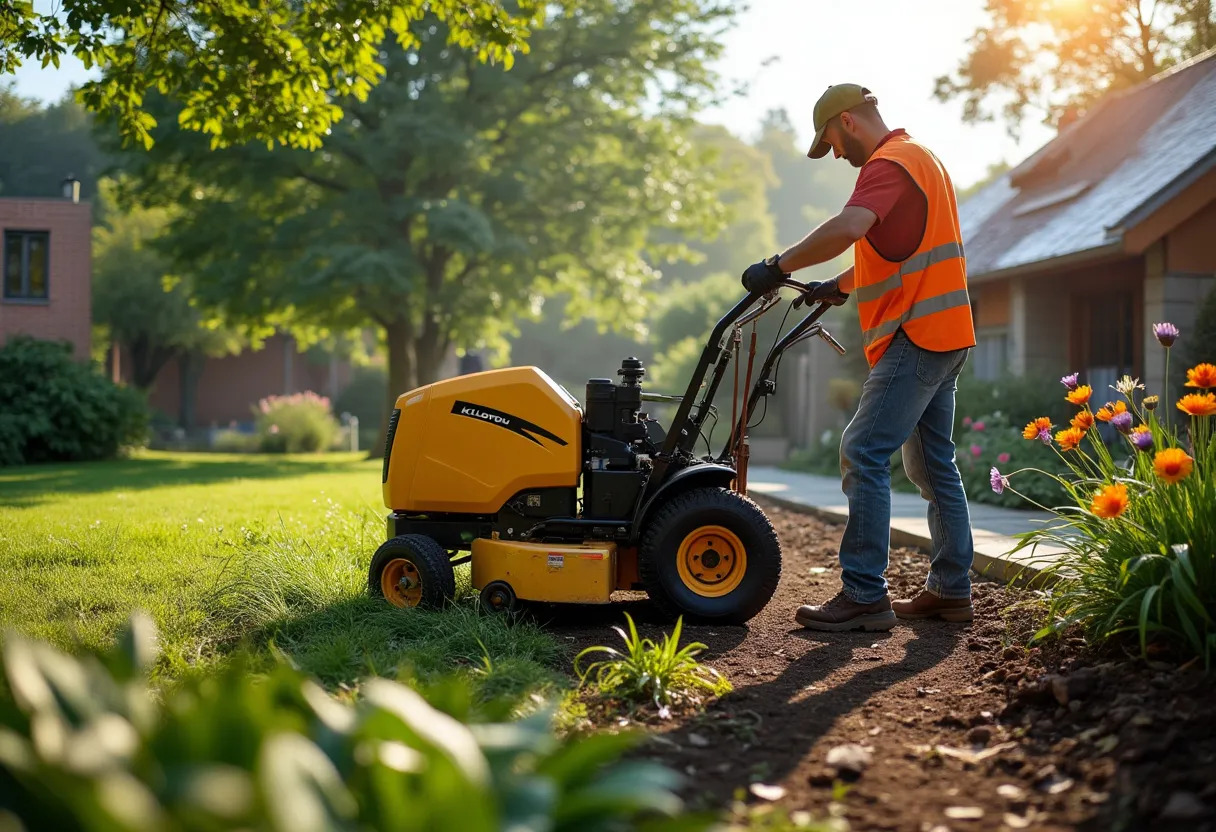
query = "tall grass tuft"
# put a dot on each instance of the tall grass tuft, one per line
(306, 599)
(1139, 532)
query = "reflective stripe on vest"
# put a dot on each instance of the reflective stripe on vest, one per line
(920, 309)
(873, 291)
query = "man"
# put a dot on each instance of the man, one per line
(910, 280)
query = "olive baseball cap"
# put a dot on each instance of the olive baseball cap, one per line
(835, 100)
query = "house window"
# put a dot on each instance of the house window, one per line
(26, 265)
(990, 358)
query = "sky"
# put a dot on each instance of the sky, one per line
(896, 48)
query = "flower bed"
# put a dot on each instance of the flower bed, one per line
(1139, 527)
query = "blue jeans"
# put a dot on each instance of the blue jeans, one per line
(907, 401)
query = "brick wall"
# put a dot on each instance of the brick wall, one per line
(229, 387)
(67, 314)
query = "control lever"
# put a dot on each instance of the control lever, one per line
(827, 336)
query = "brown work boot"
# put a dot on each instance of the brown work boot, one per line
(841, 614)
(928, 605)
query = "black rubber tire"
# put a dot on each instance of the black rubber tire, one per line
(686, 512)
(500, 586)
(429, 558)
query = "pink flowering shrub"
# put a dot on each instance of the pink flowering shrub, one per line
(990, 439)
(299, 423)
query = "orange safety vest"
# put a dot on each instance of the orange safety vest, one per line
(925, 295)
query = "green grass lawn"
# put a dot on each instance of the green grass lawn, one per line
(258, 554)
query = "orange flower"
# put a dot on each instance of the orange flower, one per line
(1109, 411)
(1111, 501)
(1201, 375)
(1198, 404)
(1080, 395)
(1036, 428)
(1172, 465)
(1070, 438)
(1083, 420)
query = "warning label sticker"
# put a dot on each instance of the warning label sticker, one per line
(557, 561)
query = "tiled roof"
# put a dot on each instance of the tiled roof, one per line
(1071, 196)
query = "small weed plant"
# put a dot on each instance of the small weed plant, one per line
(1139, 525)
(648, 672)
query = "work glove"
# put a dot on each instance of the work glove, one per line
(763, 277)
(827, 291)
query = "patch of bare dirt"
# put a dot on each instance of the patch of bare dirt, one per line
(933, 726)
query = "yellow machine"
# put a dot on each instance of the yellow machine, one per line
(556, 501)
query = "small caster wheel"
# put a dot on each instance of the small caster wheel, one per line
(497, 596)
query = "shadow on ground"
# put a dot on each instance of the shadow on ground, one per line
(781, 720)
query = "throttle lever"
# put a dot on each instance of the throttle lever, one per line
(827, 336)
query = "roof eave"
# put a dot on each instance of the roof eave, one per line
(1171, 191)
(1112, 249)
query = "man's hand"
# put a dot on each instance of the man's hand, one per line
(827, 291)
(763, 277)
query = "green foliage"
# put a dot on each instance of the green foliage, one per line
(1139, 538)
(1048, 57)
(745, 175)
(235, 442)
(803, 193)
(59, 409)
(663, 674)
(1019, 399)
(42, 145)
(86, 745)
(271, 71)
(295, 424)
(991, 441)
(364, 397)
(142, 300)
(458, 197)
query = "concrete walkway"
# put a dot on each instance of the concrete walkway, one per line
(993, 528)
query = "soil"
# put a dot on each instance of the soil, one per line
(953, 726)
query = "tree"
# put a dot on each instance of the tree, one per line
(270, 70)
(1057, 56)
(147, 307)
(804, 193)
(744, 175)
(459, 197)
(41, 145)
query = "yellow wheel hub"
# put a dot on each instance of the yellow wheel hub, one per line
(401, 584)
(712, 561)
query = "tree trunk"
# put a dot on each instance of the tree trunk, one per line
(146, 362)
(402, 376)
(189, 371)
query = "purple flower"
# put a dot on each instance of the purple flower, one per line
(1166, 333)
(1142, 439)
(999, 482)
(1122, 422)
(1070, 381)
(1045, 435)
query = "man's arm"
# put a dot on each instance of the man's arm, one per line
(844, 281)
(829, 240)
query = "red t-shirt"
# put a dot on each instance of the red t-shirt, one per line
(888, 190)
